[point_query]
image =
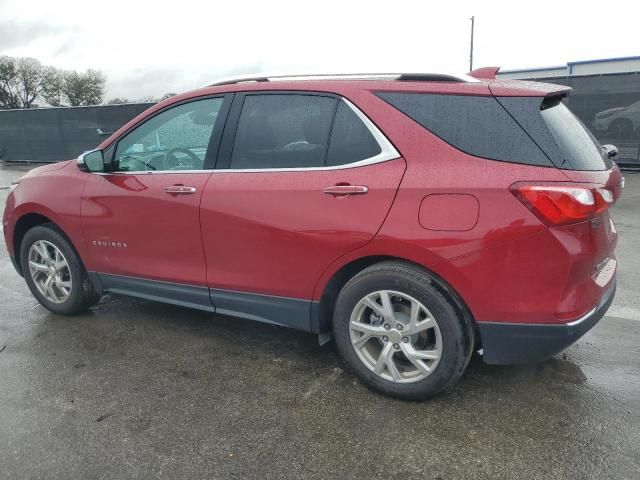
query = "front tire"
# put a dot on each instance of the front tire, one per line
(397, 332)
(54, 272)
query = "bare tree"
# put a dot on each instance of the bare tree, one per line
(83, 88)
(94, 90)
(22, 80)
(52, 92)
(8, 84)
(74, 88)
(32, 78)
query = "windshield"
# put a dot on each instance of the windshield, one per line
(580, 148)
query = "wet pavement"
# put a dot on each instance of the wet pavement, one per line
(136, 389)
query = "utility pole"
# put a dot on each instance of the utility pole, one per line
(471, 50)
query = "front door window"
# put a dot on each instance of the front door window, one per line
(176, 139)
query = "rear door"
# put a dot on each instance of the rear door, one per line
(301, 179)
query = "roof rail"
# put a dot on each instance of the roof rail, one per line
(408, 77)
(232, 80)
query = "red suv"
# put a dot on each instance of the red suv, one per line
(414, 218)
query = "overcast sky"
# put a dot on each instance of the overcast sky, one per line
(154, 47)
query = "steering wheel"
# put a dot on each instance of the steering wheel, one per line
(170, 161)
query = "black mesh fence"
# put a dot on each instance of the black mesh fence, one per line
(53, 134)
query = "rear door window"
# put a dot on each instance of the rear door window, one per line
(283, 131)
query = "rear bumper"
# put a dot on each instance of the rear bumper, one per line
(513, 343)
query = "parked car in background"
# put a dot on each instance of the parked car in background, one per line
(619, 122)
(414, 218)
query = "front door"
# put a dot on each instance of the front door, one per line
(141, 218)
(302, 180)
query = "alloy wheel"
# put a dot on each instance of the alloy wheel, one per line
(395, 336)
(49, 271)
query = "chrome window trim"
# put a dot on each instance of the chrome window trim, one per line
(387, 152)
(153, 172)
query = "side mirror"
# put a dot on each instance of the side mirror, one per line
(610, 150)
(91, 161)
(103, 134)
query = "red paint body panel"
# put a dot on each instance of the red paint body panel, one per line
(435, 212)
(52, 191)
(161, 231)
(275, 232)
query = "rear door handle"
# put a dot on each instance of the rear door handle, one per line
(343, 190)
(180, 190)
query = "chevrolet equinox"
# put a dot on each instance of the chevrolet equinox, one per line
(413, 218)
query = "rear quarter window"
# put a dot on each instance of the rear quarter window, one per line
(580, 149)
(351, 141)
(558, 132)
(479, 126)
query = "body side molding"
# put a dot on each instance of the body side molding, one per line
(192, 296)
(288, 312)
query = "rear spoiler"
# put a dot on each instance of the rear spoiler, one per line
(484, 73)
(510, 87)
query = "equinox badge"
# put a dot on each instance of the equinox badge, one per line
(105, 243)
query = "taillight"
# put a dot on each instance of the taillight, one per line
(604, 198)
(563, 204)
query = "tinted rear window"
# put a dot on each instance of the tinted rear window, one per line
(580, 149)
(476, 125)
(351, 140)
(283, 131)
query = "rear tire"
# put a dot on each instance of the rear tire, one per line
(389, 350)
(54, 272)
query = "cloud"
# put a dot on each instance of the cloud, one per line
(146, 50)
(138, 83)
(14, 33)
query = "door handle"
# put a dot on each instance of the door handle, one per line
(344, 190)
(180, 190)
